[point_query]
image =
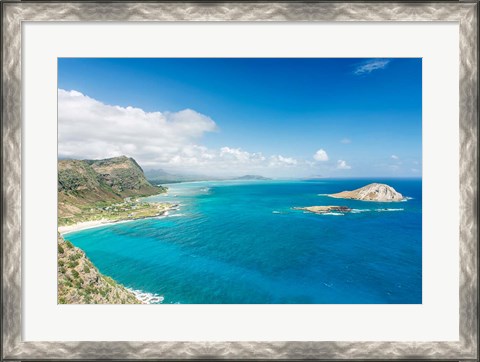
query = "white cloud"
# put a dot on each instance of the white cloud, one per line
(279, 160)
(371, 65)
(320, 155)
(342, 165)
(237, 154)
(90, 129)
(345, 141)
(395, 157)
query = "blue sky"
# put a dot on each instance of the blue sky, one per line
(361, 117)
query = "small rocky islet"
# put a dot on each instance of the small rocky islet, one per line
(324, 209)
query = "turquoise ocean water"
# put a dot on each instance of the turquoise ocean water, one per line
(241, 242)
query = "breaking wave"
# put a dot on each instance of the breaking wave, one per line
(147, 298)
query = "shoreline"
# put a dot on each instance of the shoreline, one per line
(85, 225)
(146, 297)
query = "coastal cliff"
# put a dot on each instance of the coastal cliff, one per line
(124, 176)
(372, 192)
(80, 282)
(86, 186)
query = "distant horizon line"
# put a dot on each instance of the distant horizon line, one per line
(236, 178)
(206, 177)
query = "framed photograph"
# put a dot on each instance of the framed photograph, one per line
(239, 180)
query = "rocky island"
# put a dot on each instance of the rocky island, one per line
(372, 192)
(324, 209)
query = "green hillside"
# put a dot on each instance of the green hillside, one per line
(87, 185)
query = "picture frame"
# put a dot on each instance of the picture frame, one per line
(14, 13)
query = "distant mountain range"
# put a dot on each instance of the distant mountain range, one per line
(252, 177)
(159, 176)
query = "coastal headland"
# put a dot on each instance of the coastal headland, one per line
(93, 193)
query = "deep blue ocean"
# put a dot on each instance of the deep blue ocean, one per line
(241, 242)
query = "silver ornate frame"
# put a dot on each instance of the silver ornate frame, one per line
(14, 13)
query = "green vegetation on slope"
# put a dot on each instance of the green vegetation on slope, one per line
(79, 281)
(124, 176)
(127, 210)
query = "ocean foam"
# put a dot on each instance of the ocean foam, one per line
(358, 211)
(333, 213)
(147, 298)
(177, 215)
(386, 210)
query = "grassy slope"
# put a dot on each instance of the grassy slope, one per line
(80, 282)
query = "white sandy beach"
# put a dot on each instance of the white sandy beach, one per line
(85, 225)
(97, 223)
